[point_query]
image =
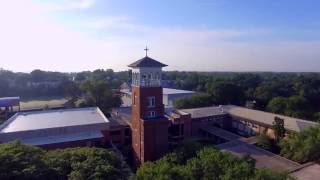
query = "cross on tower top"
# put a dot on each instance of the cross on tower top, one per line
(146, 49)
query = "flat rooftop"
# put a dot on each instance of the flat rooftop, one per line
(290, 123)
(204, 112)
(267, 118)
(26, 121)
(264, 159)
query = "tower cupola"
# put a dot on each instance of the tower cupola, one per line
(146, 72)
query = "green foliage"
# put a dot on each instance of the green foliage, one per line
(267, 174)
(195, 101)
(19, 161)
(278, 127)
(226, 93)
(277, 105)
(297, 106)
(207, 163)
(86, 163)
(100, 94)
(294, 106)
(72, 90)
(265, 142)
(51, 84)
(317, 117)
(302, 147)
(223, 87)
(22, 162)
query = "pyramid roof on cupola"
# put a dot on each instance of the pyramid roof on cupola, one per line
(147, 62)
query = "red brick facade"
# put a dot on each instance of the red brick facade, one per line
(149, 135)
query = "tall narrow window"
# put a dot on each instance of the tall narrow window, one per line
(134, 99)
(152, 114)
(151, 101)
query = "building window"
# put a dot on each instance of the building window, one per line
(151, 101)
(152, 114)
(134, 98)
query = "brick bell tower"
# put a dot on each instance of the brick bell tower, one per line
(149, 126)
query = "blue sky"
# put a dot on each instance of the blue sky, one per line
(202, 35)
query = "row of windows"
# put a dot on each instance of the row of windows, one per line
(148, 79)
(146, 76)
(151, 104)
(151, 100)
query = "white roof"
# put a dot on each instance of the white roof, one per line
(169, 91)
(26, 121)
(290, 123)
(204, 112)
(166, 91)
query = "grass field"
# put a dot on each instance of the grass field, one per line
(41, 103)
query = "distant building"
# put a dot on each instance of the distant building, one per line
(170, 96)
(7, 105)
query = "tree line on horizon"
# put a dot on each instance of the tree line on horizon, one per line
(292, 94)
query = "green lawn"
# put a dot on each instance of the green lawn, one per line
(41, 103)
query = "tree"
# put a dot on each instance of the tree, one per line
(302, 147)
(264, 142)
(298, 107)
(101, 95)
(226, 93)
(202, 100)
(277, 105)
(267, 174)
(72, 90)
(278, 127)
(86, 163)
(317, 117)
(19, 161)
(207, 163)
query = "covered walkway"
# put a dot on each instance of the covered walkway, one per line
(241, 146)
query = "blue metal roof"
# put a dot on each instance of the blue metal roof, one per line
(9, 101)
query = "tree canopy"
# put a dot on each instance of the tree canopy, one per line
(277, 105)
(100, 94)
(226, 93)
(302, 147)
(195, 101)
(299, 92)
(206, 163)
(40, 83)
(19, 161)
